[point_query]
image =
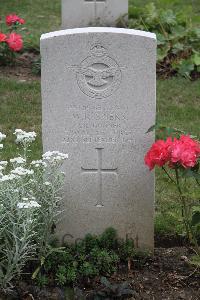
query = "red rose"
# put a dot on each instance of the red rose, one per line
(13, 19)
(2, 37)
(15, 41)
(185, 151)
(158, 154)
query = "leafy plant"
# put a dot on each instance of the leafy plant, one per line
(178, 38)
(90, 257)
(29, 207)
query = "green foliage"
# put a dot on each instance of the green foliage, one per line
(42, 280)
(178, 37)
(89, 257)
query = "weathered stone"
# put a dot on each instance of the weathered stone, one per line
(98, 90)
(83, 13)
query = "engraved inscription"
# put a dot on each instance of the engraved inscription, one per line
(99, 172)
(98, 75)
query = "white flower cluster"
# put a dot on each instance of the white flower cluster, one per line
(24, 137)
(38, 163)
(54, 156)
(2, 136)
(18, 160)
(30, 204)
(20, 171)
(8, 177)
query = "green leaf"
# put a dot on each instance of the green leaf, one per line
(151, 12)
(195, 218)
(196, 59)
(186, 67)
(177, 48)
(161, 40)
(168, 17)
(162, 52)
(152, 128)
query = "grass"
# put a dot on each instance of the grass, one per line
(20, 107)
(20, 104)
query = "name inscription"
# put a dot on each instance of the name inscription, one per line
(98, 124)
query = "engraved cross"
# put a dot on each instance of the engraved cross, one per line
(99, 171)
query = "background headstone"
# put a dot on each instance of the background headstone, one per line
(98, 90)
(83, 13)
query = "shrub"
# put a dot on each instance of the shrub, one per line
(178, 38)
(29, 207)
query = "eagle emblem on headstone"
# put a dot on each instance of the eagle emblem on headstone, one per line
(98, 75)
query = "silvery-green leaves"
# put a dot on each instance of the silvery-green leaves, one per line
(29, 207)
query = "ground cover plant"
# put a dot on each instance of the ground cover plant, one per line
(86, 259)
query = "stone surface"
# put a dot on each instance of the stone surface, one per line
(83, 13)
(98, 90)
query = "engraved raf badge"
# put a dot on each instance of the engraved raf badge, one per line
(98, 75)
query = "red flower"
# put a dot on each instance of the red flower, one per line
(2, 37)
(158, 154)
(13, 19)
(15, 41)
(185, 151)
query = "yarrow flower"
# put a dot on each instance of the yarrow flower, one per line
(30, 204)
(54, 156)
(13, 20)
(8, 177)
(184, 152)
(2, 136)
(14, 41)
(20, 171)
(24, 137)
(38, 163)
(18, 160)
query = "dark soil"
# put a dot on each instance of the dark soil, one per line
(165, 276)
(22, 68)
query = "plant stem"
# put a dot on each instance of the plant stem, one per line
(168, 175)
(186, 217)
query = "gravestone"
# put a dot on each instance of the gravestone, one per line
(83, 13)
(98, 91)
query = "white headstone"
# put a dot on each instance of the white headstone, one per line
(83, 13)
(98, 91)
